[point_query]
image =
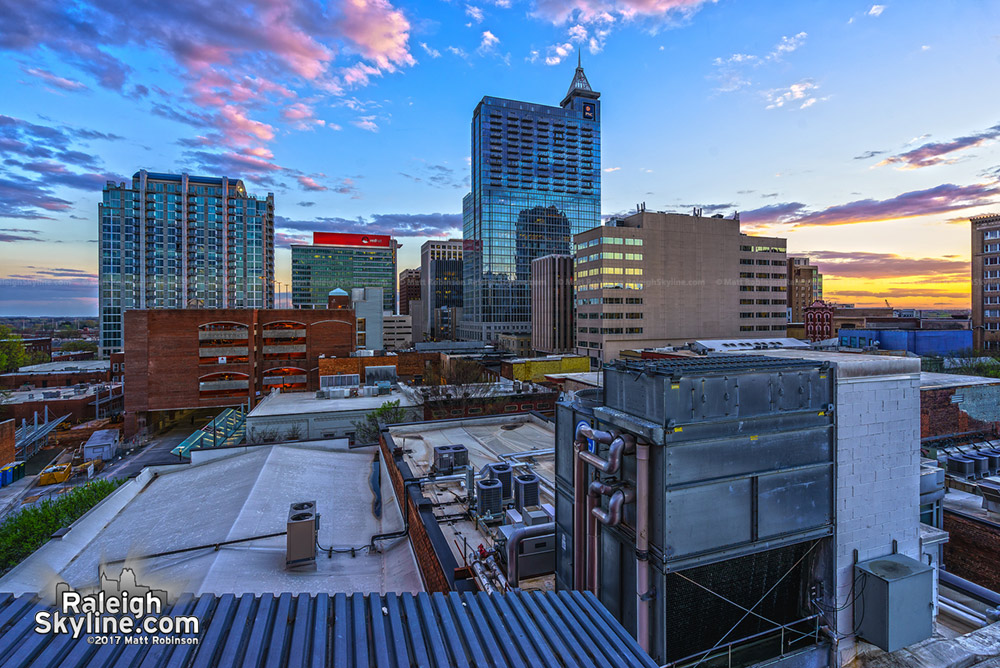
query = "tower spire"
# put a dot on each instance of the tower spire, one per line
(579, 65)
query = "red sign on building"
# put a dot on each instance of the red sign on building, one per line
(342, 239)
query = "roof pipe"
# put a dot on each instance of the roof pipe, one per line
(622, 444)
(643, 600)
(514, 545)
(611, 517)
(970, 588)
(583, 434)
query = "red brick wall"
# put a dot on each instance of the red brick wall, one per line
(423, 550)
(7, 429)
(940, 417)
(39, 380)
(972, 549)
(163, 367)
(407, 365)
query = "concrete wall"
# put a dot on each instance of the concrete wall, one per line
(878, 478)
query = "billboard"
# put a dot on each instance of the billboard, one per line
(343, 239)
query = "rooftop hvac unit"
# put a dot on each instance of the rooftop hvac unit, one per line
(961, 466)
(444, 460)
(993, 457)
(460, 453)
(981, 462)
(896, 609)
(525, 491)
(300, 539)
(321, 394)
(489, 499)
(502, 472)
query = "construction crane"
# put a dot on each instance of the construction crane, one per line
(887, 303)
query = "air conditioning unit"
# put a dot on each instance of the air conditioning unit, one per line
(525, 491)
(489, 497)
(961, 466)
(982, 464)
(896, 609)
(444, 460)
(993, 456)
(300, 539)
(460, 454)
(503, 473)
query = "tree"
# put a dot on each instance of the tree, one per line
(970, 362)
(12, 354)
(367, 430)
(78, 346)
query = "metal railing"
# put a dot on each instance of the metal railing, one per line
(727, 649)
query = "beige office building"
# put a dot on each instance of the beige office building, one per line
(654, 279)
(986, 281)
(805, 285)
(552, 321)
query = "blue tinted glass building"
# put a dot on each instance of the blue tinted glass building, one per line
(536, 181)
(179, 241)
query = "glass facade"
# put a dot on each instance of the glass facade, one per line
(536, 181)
(317, 269)
(179, 241)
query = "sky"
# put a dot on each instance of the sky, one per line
(866, 134)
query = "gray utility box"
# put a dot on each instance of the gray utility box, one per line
(536, 556)
(893, 607)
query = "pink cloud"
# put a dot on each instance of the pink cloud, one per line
(379, 31)
(54, 80)
(589, 11)
(309, 183)
(939, 199)
(935, 153)
(868, 265)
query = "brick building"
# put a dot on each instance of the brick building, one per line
(7, 430)
(818, 318)
(805, 286)
(409, 289)
(188, 359)
(410, 366)
(57, 374)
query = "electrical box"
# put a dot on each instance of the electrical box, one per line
(893, 604)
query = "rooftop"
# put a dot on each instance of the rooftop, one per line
(103, 437)
(555, 629)
(234, 494)
(941, 380)
(595, 378)
(849, 365)
(489, 440)
(722, 345)
(66, 366)
(298, 403)
(58, 393)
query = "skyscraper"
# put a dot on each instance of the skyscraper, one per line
(441, 291)
(345, 261)
(409, 289)
(805, 285)
(179, 241)
(536, 181)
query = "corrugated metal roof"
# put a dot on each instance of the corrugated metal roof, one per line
(518, 629)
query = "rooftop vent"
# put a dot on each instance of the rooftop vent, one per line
(300, 538)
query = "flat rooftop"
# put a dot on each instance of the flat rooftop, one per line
(301, 403)
(941, 380)
(595, 378)
(69, 392)
(65, 366)
(849, 365)
(487, 438)
(240, 495)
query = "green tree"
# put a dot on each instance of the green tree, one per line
(12, 353)
(77, 346)
(367, 430)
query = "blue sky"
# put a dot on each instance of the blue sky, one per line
(864, 133)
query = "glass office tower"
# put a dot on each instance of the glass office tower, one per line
(179, 241)
(536, 181)
(346, 261)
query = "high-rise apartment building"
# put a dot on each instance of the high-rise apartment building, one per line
(409, 289)
(441, 288)
(345, 261)
(805, 286)
(986, 281)
(177, 241)
(552, 323)
(536, 181)
(654, 279)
